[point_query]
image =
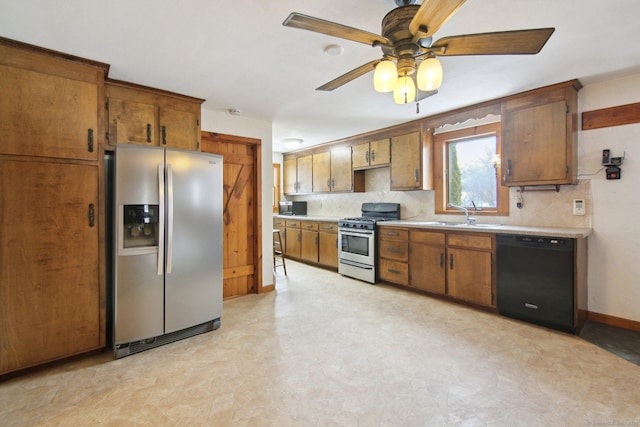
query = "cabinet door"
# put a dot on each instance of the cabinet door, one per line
(290, 176)
(379, 152)
(469, 275)
(405, 162)
(322, 172)
(341, 171)
(50, 304)
(305, 174)
(179, 129)
(132, 122)
(426, 265)
(360, 155)
(309, 248)
(534, 146)
(292, 242)
(328, 247)
(46, 115)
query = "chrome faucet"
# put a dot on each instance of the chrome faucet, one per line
(470, 220)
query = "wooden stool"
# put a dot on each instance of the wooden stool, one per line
(278, 251)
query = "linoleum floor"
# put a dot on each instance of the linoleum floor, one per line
(325, 350)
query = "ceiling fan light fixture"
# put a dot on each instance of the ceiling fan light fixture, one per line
(405, 90)
(429, 74)
(385, 76)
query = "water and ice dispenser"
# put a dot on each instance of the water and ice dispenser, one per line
(140, 226)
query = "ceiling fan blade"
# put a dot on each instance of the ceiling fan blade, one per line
(298, 20)
(499, 43)
(351, 75)
(431, 15)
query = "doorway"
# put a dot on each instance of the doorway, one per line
(242, 226)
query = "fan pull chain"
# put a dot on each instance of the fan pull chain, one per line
(417, 107)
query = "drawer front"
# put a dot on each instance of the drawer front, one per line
(426, 237)
(393, 271)
(278, 223)
(473, 241)
(311, 226)
(292, 223)
(393, 233)
(328, 227)
(396, 250)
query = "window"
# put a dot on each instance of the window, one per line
(468, 160)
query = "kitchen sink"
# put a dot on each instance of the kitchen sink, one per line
(460, 224)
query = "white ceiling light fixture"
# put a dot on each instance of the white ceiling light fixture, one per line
(292, 143)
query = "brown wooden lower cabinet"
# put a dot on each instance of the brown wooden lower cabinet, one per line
(315, 242)
(51, 304)
(456, 264)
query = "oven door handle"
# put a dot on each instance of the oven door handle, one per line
(356, 264)
(356, 232)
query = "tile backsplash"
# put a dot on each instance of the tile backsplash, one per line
(540, 208)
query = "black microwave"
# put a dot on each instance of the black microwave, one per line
(293, 208)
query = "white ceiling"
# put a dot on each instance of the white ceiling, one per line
(237, 55)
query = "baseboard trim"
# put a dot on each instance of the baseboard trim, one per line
(618, 322)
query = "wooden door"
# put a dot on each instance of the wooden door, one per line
(426, 263)
(242, 247)
(534, 145)
(322, 172)
(405, 162)
(328, 244)
(47, 115)
(360, 155)
(341, 171)
(469, 275)
(292, 241)
(380, 152)
(290, 177)
(179, 129)
(309, 245)
(132, 122)
(305, 174)
(50, 304)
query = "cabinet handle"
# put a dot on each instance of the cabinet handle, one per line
(441, 260)
(392, 271)
(329, 184)
(92, 216)
(315, 241)
(309, 225)
(333, 183)
(148, 132)
(451, 261)
(509, 167)
(90, 140)
(394, 250)
(328, 227)
(299, 237)
(392, 233)
(366, 157)
(373, 155)
(417, 175)
(164, 135)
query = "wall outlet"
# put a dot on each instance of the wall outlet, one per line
(519, 202)
(579, 207)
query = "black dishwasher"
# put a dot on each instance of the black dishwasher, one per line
(535, 280)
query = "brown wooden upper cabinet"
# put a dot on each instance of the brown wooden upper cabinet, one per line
(147, 116)
(539, 137)
(406, 155)
(298, 175)
(332, 171)
(50, 108)
(371, 154)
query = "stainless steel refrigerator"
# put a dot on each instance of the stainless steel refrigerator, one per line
(167, 246)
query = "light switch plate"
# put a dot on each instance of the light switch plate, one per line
(579, 207)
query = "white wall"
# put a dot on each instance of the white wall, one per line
(223, 122)
(614, 267)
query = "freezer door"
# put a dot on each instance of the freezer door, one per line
(193, 280)
(138, 288)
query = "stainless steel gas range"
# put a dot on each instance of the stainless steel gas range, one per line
(357, 240)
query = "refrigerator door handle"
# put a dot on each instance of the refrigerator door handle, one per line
(169, 217)
(161, 219)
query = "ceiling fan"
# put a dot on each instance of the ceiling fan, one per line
(407, 47)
